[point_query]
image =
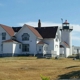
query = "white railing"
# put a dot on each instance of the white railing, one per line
(51, 52)
(71, 27)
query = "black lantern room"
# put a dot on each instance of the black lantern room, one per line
(65, 25)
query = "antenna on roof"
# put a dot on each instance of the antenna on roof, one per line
(62, 20)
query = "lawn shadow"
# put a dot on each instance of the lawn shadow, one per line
(70, 75)
(72, 67)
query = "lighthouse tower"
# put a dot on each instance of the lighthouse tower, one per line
(66, 35)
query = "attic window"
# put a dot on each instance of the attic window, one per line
(25, 36)
(3, 36)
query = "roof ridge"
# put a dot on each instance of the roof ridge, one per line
(34, 31)
(5, 25)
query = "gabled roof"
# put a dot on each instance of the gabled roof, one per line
(33, 30)
(8, 29)
(47, 32)
(43, 32)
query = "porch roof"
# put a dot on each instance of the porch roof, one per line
(11, 40)
(64, 44)
(41, 42)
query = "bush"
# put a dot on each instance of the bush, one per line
(45, 78)
(57, 57)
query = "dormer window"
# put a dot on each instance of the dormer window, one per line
(25, 37)
(3, 36)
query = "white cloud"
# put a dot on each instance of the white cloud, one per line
(75, 35)
(77, 38)
(75, 32)
(35, 24)
(76, 27)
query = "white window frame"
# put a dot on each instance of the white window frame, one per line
(25, 47)
(25, 37)
(3, 36)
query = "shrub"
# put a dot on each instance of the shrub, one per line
(45, 78)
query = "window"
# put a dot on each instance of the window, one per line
(13, 37)
(1, 47)
(3, 36)
(39, 49)
(25, 36)
(25, 47)
(19, 46)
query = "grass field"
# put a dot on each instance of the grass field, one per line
(29, 68)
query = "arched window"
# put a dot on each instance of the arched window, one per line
(25, 36)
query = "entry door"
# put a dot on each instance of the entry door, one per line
(40, 49)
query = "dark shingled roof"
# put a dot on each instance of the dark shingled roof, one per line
(47, 32)
(16, 29)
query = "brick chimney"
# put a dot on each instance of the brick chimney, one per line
(39, 23)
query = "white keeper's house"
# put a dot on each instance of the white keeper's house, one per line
(28, 40)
